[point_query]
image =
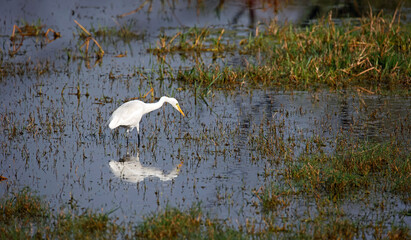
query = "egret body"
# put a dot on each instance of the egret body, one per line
(130, 113)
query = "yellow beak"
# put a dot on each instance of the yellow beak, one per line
(179, 109)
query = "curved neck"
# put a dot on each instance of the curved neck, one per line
(154, 106)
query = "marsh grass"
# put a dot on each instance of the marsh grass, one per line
(22, 205)
(170, 223)
(86, 37)
(382, 166)
(18, 212)
(194, 40)
(11, 69)
(373, 52)
(24, 215)
(273, 197)
(124, 33)
(34, 29)
(89, 225)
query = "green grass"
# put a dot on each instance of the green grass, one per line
(381, 166)
(125, 33)
(194, 40)
(24, 215)
(170, 223)
(273, 197)
(374, 53)
(87, 225)
(173, 223)
(22, 205)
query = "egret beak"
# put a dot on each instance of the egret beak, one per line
(179, 109)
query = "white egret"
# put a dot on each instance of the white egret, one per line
(130, 113)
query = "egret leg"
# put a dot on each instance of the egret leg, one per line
(127, 136)
(138, 137)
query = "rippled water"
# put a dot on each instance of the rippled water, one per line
(56, 142)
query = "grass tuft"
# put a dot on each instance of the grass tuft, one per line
(170, 223)
(21, 206)
(365, 165)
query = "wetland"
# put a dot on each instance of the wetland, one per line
(296, 126)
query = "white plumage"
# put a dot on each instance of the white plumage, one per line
(130, 113)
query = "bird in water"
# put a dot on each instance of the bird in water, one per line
(130, 113)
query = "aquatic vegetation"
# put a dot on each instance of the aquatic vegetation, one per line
(30, 30)
(374, 54)
(33, 30)
(24, 68)
(272, 197)
(170, 223)
(22, 205)
(18, 211)
(382, 165)
(35, 219)
(195, 39)
(252, 162)
(124, 32)
(26, 215)
(89, 224)
(87, 38)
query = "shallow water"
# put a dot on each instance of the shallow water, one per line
(56, 141)
(74, 163)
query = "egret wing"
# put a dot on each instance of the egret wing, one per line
(128, 114)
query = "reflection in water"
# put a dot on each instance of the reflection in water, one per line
(130, 169)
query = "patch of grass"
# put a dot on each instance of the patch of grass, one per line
(24, 216)
(90, 225)
(354, 167)
(333, 228)
(270, 142)
(194, 40)
(125, 33)
(170, 223)
(399, 233)
(18, 212)
(374, 53)
(22, 205)
(173, 223)
(273, 197)
(203, 78)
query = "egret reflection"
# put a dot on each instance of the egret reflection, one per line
(129, 169)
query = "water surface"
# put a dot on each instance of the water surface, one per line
(54, 137)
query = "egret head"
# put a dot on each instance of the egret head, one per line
(175, 104)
